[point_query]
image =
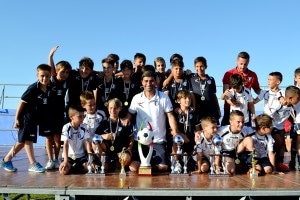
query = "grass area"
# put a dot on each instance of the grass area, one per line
(31, 197)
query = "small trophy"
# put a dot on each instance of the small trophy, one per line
(122, 160)
(253, 173)
(89, 164)
(103, 159)
(185, 159)
(217, 148)
(96, 170)
(145, 137)
(176, 168)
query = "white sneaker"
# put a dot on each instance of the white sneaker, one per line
(49, 165)
(56, 163)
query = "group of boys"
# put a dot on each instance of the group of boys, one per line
(89, 92)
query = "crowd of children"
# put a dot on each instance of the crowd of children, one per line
(75, 108)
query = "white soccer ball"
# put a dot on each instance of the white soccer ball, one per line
(217, 140)
(145, 136)
(178, 139)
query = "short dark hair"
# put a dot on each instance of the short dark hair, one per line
(244, 55)
(236, 80)
(43, 67)
(148, 74)
(140, 55)
(201, 59)
(126, 64)
(87, 62)
(277, 75)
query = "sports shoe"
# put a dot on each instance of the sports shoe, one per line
(177, 168)
(282, 167)
(8, 166)
(56, 163)
(36, 167)
(49, 165)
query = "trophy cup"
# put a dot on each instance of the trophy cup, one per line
(122, 162)
(253, 173)
(103, 159)
(176, 168)
(89, 164)
(185, 159)
(217, 147)
(145, 137)
(97, 140)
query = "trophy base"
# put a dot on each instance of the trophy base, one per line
(122, 175)
(254, 176)
(145, 171)
(219, 175)
(179, 174)
(95, 174)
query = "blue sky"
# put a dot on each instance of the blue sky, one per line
(268, 30)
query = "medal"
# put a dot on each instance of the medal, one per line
(126, 91)
(237, 161)
(112, 148)
(73, 157)
(202, 89)
(105, 104)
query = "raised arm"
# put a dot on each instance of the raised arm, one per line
(50, 60)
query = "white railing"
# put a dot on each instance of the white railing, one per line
(12, 94)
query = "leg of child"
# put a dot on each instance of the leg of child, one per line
(245, 145)
(279, 145)
(298, 150)
(57, 145)
(229, 165)
(13, 151)
(30, 152)
(49, 143)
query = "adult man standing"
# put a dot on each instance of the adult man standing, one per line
(250, 81)
(154, 107)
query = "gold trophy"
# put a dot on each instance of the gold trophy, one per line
(122, 160)
(253, 173)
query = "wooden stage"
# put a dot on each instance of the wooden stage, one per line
(160, 186)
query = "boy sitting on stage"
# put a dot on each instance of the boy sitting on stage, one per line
(75, 136)
(263, 144)
(204, 145)
(234, 141)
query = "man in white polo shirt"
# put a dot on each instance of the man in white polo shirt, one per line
(154, 107)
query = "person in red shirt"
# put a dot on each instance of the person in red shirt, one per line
(250, 80)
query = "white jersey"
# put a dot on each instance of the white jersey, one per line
(205, 146)
(273, 107)
(262, 144)
(230, 141)
(297, 112)
(75, 139)
(152, 111)
(92, 121)
(244, 97)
